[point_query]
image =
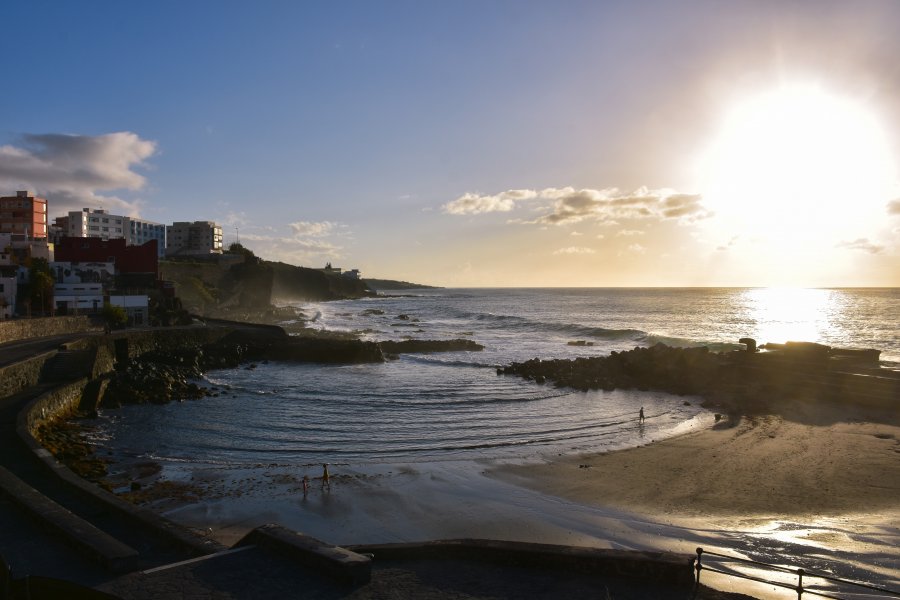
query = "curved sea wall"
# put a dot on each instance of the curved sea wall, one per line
(21, 329)
(16, 377)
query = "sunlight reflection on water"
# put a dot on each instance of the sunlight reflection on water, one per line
(796, 314)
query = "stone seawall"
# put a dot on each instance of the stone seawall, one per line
(16, 377)
(20, 329)
(58, 403)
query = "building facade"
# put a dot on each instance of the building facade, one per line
(100, 224)
(138, 232)
(23, 216)
(8, 288)
(188, 238)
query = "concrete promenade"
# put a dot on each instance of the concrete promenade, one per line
(56, 534)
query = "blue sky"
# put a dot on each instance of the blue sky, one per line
(465, 143)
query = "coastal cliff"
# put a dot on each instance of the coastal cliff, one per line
(244, 287)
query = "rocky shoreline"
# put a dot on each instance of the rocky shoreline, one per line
(745, 382)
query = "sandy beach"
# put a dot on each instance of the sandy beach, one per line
(809, 461)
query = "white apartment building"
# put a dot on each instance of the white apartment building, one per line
(198, 237)
(100, 224)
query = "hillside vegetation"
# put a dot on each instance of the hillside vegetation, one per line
(235, 286)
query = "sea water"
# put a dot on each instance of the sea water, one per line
(453, 405)
(411, 442)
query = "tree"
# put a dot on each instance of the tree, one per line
(238, 248)
(40, 284)
(114, 316)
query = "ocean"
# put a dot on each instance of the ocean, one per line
(412, 443)
(453, 406)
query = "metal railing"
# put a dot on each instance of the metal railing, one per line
(800, 573)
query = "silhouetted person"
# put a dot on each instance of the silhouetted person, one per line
(325, 475)
(641, 415)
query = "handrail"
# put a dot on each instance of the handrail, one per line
(799, 572)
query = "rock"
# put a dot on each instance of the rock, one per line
(407, 346)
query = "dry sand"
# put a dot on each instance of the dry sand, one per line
(811, 460)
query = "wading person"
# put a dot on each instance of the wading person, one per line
(641, 415)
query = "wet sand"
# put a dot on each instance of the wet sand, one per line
(806, 462)
(811, 484)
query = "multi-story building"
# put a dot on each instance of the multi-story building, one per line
(96, 224)
(100, 224)
(24, 216)
(200, 237)
(138, 232)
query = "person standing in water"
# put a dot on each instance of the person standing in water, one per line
(325, 475)
(641, 415)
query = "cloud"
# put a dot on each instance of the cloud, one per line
(72, 171)
(312, 229)
(307, 246)
(308, 243)
(636, 248)
(863, 244)
(629, 232)
(576, 234)
(570, 206)
(474, 204)
(731, 242)
(575, 250)
(893, 207)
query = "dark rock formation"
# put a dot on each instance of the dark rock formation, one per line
(677, 370)
(406, 346)
(325, 351)
(744, 380)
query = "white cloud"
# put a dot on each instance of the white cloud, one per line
(72, 171)
(636, 248)
(570, 206)
(474, 204)
(312, 229)
(629, 232)
(864, 244)
(576, 234)
(893, 207)
(575, 250)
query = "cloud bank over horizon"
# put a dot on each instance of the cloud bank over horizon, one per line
(571, 206)
(76, 171)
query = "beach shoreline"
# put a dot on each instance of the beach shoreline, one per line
(810, 459)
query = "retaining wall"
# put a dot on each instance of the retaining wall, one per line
(16, 377)
(20, 329)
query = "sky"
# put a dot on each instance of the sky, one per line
(477, 143)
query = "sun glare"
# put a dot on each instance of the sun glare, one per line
(798, 166)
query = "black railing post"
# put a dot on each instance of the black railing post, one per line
(800, 584)
(698, 567)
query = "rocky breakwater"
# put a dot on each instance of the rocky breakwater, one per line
(660, 367)
(159, 377)
(746, 381)
(410, 346)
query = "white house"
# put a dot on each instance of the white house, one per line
(75, 298)
(137, 307)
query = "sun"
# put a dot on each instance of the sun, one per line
(798, 165)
